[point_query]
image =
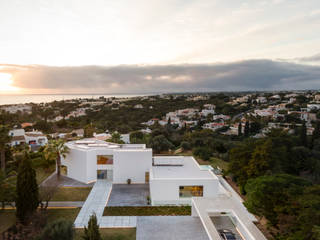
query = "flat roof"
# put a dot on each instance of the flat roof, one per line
(189, 169)
(88, 144)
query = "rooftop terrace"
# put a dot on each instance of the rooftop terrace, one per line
(185, 168)
(94, 144)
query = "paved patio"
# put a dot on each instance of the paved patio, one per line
(170, 228)
(96, 203)
(64, 181)
(129, 195)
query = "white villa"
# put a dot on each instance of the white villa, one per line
(172, 180)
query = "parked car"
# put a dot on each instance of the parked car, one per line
(227, 235)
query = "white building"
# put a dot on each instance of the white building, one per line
(172, 180)
(175, 180)
(18, 108)
(19, 136)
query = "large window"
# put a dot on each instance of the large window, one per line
(104, 159)
(190, 191)
(102, 174)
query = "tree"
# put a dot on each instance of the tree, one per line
(185, 145)
(203, 152)
(303, 135)
(92, 232)
(7, 188)
(88, 131)
(160, 143)
(116, 138)
(240, 129)
(136, 137)
(247, 129)
(27, 190)
(46, 193)
(59, 229)
(4, 140)
(57, 149)
(269, 196)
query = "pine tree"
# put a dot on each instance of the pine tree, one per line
(303, 135)
(240, 129)
(27, 190)
(92, 232)
(246, 129)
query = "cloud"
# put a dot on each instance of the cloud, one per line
(235, 76)
(313, 58)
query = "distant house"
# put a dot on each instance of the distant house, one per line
(138, 106)
(26, 124)
(78, 132)
(125, 138)
(19, 136)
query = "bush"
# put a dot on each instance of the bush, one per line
(203, 153)
(59, 229)
(185, 145)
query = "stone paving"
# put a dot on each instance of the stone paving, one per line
(170, 228)
(95, 203)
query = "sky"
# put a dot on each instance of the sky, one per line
(137, 46)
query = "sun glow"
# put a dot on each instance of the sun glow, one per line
(6, 83)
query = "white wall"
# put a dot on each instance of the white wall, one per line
(166, 191)
(131, 164)
(92, 166)
(76, 162)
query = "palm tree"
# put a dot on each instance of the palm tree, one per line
(57, 148)
(4, 139)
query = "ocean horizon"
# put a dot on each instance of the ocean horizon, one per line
(45, 98)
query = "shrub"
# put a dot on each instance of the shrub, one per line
(59, 229)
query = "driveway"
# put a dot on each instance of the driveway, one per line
(170, 228)
(129, 195)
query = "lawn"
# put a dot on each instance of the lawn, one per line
(65, 213)
(71, 194)
(112, 233)
(148, 211)
(7, 219)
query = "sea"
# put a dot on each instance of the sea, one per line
(45, 98)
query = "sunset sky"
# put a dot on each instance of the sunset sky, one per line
(130, 46)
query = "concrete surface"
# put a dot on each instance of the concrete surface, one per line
(129, 195)
(224, 222)
(170, 228)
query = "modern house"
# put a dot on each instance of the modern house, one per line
(172, 180)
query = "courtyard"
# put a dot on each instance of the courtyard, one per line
(129, 195)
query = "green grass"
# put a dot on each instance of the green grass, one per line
(7, 219)
(65, 213)
(148, 211)
(71, 194)
(112, 233)
(217, 162)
